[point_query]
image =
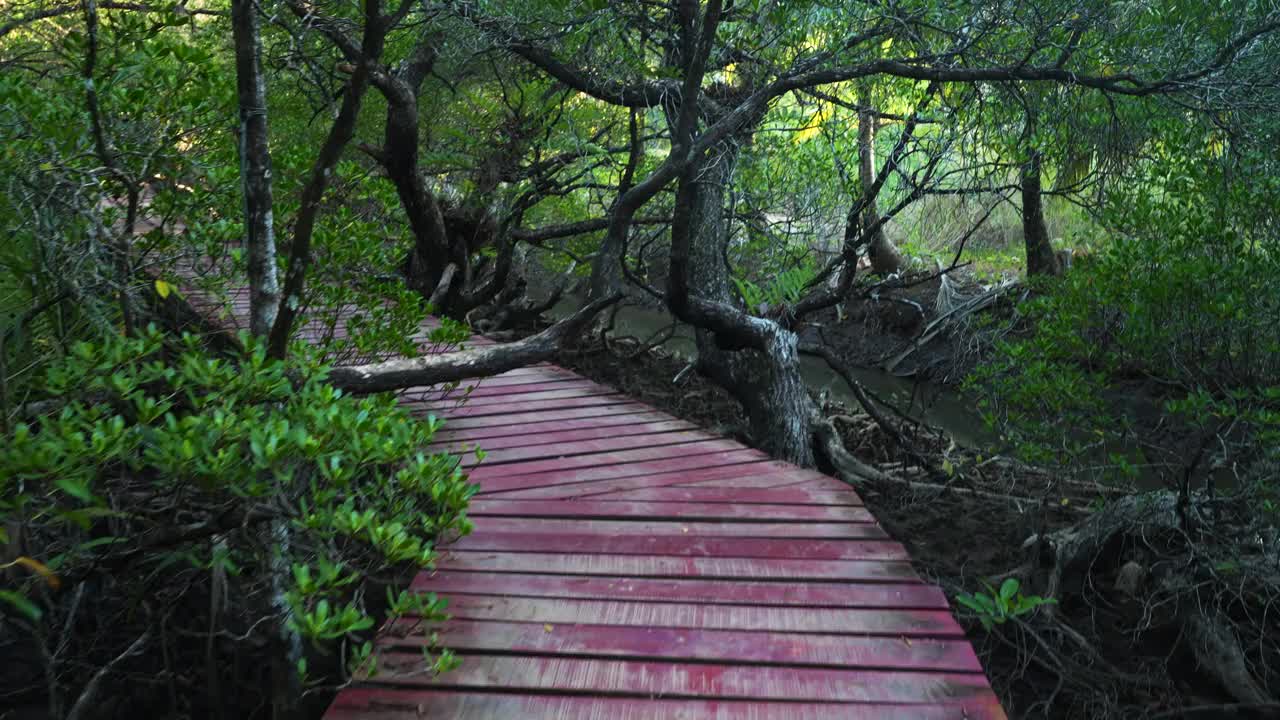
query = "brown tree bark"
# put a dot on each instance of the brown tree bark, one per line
(606, 267)
(255, 168)
(343, 129)
(477, 362)
(1041, 260)
(765, 381)
(885, 258)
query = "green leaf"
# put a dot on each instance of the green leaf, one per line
(1008, 589)
(22, 604)
(75, 488)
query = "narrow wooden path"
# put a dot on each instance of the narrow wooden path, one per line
(627, 565)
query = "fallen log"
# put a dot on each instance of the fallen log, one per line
(477, 362)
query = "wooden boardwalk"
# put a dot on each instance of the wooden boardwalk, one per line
(627, 565)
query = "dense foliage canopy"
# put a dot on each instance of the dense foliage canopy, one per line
(1081, 196)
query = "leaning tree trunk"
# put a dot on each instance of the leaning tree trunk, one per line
(766, 383)
(255, 168)
(885, 258)
(1041, 259)
(433, 252)
(606, 268)
(607, 277)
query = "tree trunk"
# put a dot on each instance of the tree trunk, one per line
(885, 258)
(255, 168)
(606, 269)
(766, 383)
(340, 134)
(433, 249)
(1041, 259)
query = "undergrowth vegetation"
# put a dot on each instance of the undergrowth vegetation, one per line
(169, 494)
(1179, 309)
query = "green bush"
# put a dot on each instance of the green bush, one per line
(170, 476)
(1175, 323)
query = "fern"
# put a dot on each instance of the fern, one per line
(787, 287)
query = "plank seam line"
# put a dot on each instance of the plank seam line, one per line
(461, 689)
(709, 578)
(677, 660)
(712, 603)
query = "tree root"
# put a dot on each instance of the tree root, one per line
(1217, 650)
(1154, 521)
(858, 474)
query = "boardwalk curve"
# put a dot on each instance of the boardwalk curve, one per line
(626, 564)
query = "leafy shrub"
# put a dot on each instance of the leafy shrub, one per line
(215, 498)
(1175, 322)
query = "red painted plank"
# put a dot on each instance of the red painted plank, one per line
(851, 595)
(646, 526)
(548, 375)
(682, 545)
(513, 408)
(781, 496)
(814, 480)
(532, 432)
(570, 391)
(528, 439)
(666, 566)
(687, 511)
(404, 704)
(543, 415)
(581, 397)
(592, 447)
(604, 458)
(627, 613)
(624, 544)
(607, 641)
(684, 680)
(592, 486)
(475, 392)
(738, 457)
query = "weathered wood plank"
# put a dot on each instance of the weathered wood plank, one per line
(651, 614)
(384, 703)
(567, 391)
(683, 545)
(689, 511)
(581, 476)
(584, 487)
(665, 566)
(851, 595)
(530, 439)
(539, 415)
(530, 404)
(778, 495)
(686, 680)
(721, 646)
(520, 412)
(561, 465)
(590, 446)
(532, 433)
(698, 528)
(477, 393)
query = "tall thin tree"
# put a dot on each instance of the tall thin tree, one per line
(255, 167)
